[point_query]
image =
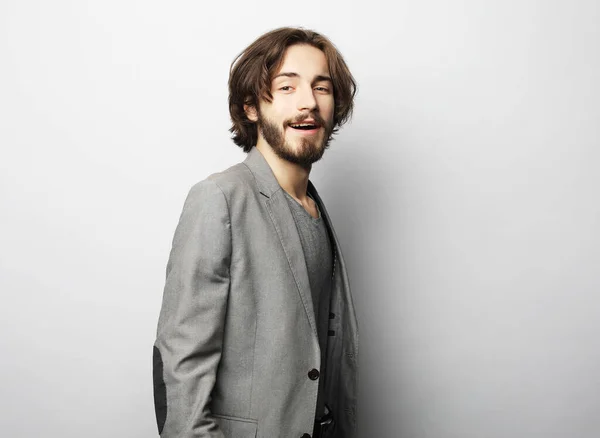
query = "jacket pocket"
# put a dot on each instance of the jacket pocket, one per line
(236, 427)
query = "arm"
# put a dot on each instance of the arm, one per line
(190, 327)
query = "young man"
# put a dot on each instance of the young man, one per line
(257, 335)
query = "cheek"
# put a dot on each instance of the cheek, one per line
(327, 107)
(287, 110)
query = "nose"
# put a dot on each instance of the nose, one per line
(306, 99)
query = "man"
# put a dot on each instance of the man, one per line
(257, 335)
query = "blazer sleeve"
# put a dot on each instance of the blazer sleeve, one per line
(189, 337)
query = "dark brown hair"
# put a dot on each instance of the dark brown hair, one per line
(252, 70)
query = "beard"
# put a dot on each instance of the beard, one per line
(308, 150)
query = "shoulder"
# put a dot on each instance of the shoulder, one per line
(234, 181)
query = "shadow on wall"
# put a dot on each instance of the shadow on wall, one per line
(364, 197)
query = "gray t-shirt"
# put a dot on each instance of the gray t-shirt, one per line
(319, 263)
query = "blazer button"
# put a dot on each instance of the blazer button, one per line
(305, 435)
(313, 374)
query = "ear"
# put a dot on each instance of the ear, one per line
(250, 111)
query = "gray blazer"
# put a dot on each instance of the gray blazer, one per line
(236, 353)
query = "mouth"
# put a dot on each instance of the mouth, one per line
(306, 126)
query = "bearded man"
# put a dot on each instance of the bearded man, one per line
(257, 334)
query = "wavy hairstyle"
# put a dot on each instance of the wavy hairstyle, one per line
(252, 71)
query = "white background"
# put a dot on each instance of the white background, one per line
(464, 192)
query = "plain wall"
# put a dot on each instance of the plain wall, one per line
(464, 192)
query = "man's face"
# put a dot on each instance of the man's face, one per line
(298, 123)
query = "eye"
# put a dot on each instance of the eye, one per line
(323, 89)
(286, 88)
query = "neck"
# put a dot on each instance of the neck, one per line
(292, 177)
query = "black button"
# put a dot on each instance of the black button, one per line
(305, 435)
(331, 315)
(313, 374)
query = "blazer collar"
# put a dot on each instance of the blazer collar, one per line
(265, 178)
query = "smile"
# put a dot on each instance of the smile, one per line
(306, 131)
(304, 126)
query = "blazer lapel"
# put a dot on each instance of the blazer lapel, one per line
(285, 227)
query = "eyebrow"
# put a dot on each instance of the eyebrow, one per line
(318, 78)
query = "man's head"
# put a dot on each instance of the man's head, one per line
(286, 77)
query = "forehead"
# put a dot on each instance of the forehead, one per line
(305, 60)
